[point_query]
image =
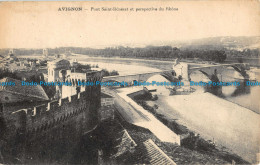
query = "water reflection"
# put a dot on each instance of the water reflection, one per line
(242, 89)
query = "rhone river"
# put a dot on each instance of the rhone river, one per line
(229, 124)
(246, 96)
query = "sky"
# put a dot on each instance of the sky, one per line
(41, 25)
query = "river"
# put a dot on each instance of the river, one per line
(235, 126)
(246, 96)
(232, 125)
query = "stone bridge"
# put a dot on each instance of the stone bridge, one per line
(211, 71)
(184, 70)
(180, 69)
(168, 74)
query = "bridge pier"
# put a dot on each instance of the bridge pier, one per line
(185, 69)
(212, 72)
(242, 70)
(217, 90)
(182, 70)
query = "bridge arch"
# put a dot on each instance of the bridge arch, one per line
(213, 77)
(186, 69)
(129, 79)
(241, 71)
(168, 77)
(113, 81)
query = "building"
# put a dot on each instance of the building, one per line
(79, 82)
(45, 53)
(55, 67)
(60, 70)
(11, 90)
(34, 129)
(57, 56)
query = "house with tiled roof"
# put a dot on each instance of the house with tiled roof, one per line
(11, 90)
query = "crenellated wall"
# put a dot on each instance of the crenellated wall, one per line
(50, 130)
(40, 114)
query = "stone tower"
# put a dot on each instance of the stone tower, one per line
(45, 52)
(54, 67)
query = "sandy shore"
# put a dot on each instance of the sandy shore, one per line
(227, 123)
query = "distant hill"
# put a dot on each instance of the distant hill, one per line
(210, 43)
(237, 43)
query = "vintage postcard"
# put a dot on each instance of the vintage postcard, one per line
(130, 82)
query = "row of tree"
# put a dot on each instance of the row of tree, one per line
(151, 52)
(106, 73)
(156, 52)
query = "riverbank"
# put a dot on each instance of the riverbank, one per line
(189, 135)
(185, 153)
(254, 62)
(215, 119)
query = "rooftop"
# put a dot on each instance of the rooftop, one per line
(104, 95)
(17, 92)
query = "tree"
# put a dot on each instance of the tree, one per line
(220, 56)
(104, 73)
(113, 73)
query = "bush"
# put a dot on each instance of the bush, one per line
(105, 73)
(154, 97)
(113, 73)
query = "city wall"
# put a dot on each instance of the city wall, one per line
(48, 131)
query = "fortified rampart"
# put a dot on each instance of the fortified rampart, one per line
(48, 131)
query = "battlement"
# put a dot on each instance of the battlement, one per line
(55, 105)
(32, 124)
(51, 113)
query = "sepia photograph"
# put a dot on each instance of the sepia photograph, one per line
(130, 82)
